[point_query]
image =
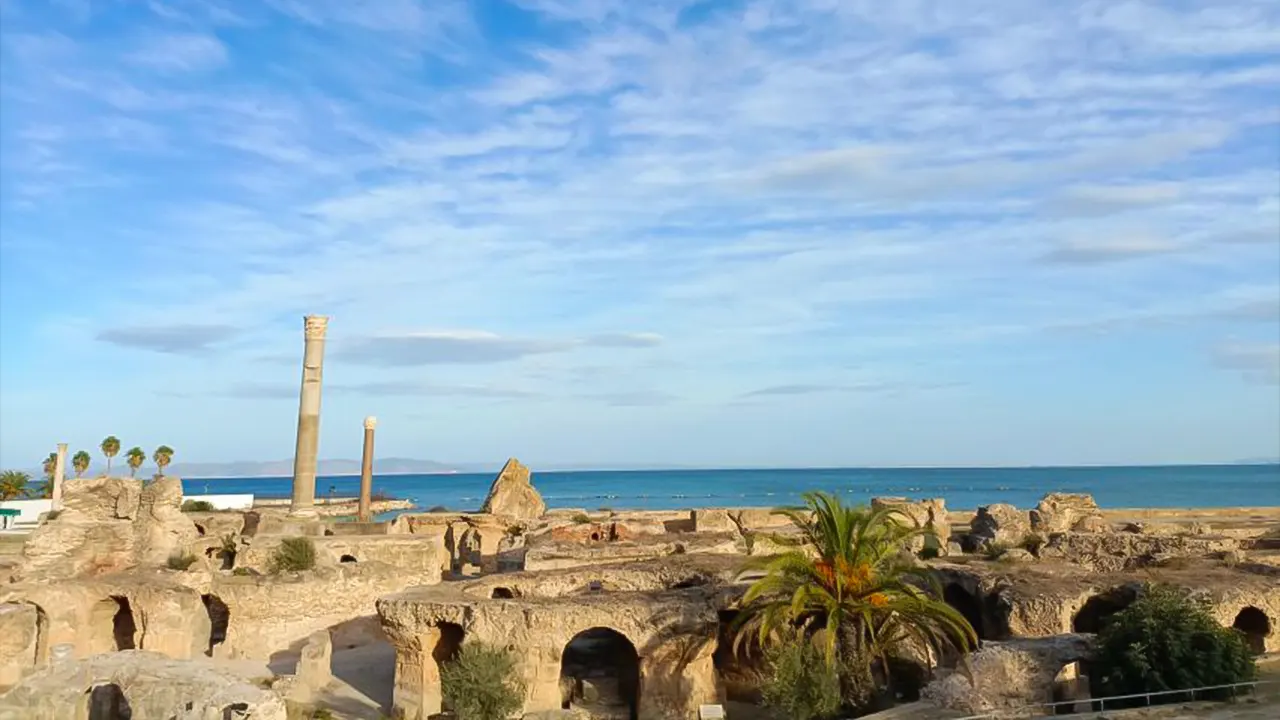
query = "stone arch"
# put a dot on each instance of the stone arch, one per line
(600, 669)
(347, 559)
(446, 648)
(1097, 610)
(235, 711)
(968, 605)
(1256, 626)
(1071, 686)
(219, 621)
(200, 531)
(107, 702)
(503, 593)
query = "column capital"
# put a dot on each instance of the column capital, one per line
(314, 326)
(62, 447)
(370, 422)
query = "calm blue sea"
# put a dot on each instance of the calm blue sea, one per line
(1173, 486)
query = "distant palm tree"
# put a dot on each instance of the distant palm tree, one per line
(110, 446)
(13, 484)
(135, 457)
(80, 462)
(163, 455)
(50, 466)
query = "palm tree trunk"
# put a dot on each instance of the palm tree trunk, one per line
(108, 466)
(857, 679)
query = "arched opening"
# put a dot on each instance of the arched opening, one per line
(111, 626)
(600, 669)
(219, 619)
(595, 536)
(1071, 689)
(347, 559)
(447, 646)
(236, 711)
(1256, 626)
(107, 702)
(502, 593)
(967, 605)
(199, 529)
(906, 678)
(1097, 610)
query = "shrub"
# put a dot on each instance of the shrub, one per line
(800, 683)
(243, 572)
(438, 509)
(994, 550)
(293, 555)
(197, 506)
(1167, 641)
(481, 683)
(581, 518)
(228, 543)
(181, 561)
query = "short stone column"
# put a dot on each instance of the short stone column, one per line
(364, 514)
(308, 444)
(59, 473)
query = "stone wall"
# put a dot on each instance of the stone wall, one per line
(149, 685)
(108, 525)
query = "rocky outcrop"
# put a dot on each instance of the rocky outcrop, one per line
(107, 525)
(149, 685)
(999, 524)
(1063, 512)
(1008, 675)
(19, 638)
(512, 494)
(928, 514)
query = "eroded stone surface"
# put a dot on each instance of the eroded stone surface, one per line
(1000, 524)
(1008, 675)
(1061, 512)
(150, 685)
(107, 525)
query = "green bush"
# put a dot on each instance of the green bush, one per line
(800, 683)
(181, 561)
(438, 509)
(481, 683)
(1167, 641)
(293, 555)
(581, 518)
(197, 506)
(243, 572)
(994, 550)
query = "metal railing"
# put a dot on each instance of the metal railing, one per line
(1099, 704)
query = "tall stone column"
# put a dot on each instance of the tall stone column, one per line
(366, 471)
(304, 456)
(59, 472)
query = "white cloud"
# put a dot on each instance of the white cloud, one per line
(174, 52)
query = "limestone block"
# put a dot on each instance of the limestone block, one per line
(19, 634)
(1092, 524)
(315, 664)
(1007, 675)
(999, 523)
(1060, 512)
(929, 514)
(713, 520)
(513, 494)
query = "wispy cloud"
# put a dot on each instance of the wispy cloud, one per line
(1094, 252)
(187, 52)
(174, 339)
(1259, 362)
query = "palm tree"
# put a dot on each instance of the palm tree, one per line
(50, 466)
(135, 457)
(110, 446)
(80, 462)
(163, 455)
(13, 484)
(849, 584)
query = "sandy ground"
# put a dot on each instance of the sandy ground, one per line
(363, 678)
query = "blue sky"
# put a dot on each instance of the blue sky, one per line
(602, 231)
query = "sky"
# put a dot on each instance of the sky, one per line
(756, 233)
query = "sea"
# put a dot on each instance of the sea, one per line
(962, 488)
